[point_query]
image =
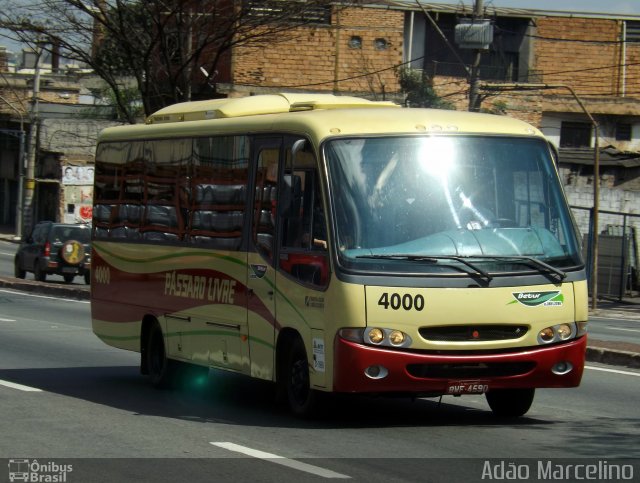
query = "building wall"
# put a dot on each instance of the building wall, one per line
(631, 60)
(562, 55)
(580, 195)
(320, 58)
(75, 141)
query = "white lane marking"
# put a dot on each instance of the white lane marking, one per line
(20, 387)
(9, 254)
(7, 320)
(26, 294)
(616, 371)
(280, 460)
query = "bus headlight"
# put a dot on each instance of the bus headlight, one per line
(375, 336)
(557, 333)
(387, 337)
(546, 335)
(564, 331)
(396, 337)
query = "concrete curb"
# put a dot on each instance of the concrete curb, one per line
(613, 357)
(51, 290)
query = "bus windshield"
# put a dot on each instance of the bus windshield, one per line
(429, 203)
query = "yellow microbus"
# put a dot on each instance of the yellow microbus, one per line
(334, 244)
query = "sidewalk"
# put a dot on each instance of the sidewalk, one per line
(614, 352)
(605, 352)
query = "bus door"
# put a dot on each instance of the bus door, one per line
(303, 262)
(261, 278)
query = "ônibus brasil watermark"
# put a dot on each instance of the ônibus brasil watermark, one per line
(38, 472)
(549, 470)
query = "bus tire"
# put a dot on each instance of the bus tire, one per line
(301, 398)
(510, 403)
(161, 369)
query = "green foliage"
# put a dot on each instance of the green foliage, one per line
(418, 90)
(497, 107)
(129, 97)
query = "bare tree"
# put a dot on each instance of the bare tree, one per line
(174, 50)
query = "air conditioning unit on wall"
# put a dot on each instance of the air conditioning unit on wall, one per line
(474, 34)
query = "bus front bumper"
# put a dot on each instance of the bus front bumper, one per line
(367, 369)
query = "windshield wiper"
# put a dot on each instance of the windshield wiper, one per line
(542, 266)
(431, 259)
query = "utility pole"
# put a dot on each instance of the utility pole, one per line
(474, 97)
(30, 182)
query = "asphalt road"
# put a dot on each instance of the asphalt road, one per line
(68, 399)
(619, 330)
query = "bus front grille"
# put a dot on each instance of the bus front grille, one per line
(469, 370)
(471, 333)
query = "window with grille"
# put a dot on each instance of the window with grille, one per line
(575, 135)
(623, 131)
(279, 10)
(633, 31)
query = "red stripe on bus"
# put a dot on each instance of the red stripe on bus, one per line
(166, 292)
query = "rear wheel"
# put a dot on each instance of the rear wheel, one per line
(162, 371)
(18, 272)
(87, 278)
(38, 273)
(302, 400)
(510, 403)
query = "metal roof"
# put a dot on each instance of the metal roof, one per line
(463, 9)
(609, 157)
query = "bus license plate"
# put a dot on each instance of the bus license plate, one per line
(467, 387)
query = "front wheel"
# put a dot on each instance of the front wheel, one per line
(68, 278)
(510, 403)
(303, 401)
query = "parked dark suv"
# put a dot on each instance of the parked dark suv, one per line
(55, 248)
